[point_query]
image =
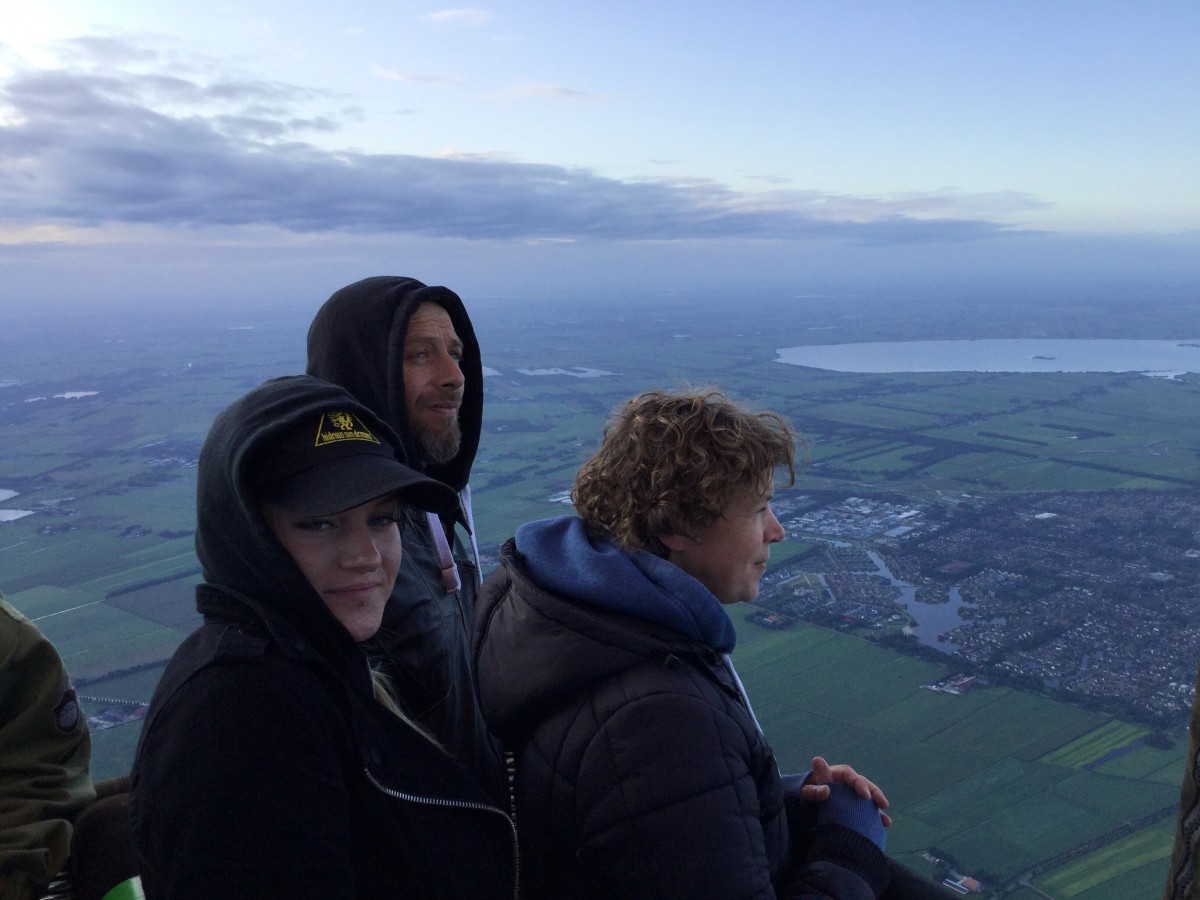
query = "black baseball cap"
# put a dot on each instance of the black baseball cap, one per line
(330, 461)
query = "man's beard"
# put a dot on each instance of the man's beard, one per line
(441, 448)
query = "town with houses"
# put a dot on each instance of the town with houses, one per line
(1090, 597)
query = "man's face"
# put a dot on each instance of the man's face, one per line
(730, 556)
(433, 381)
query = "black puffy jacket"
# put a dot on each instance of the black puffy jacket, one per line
(266, 767)
(641, 772)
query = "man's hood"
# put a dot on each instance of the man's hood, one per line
(239, 553)
(356, 340)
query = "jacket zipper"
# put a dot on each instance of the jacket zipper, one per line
(459, 804)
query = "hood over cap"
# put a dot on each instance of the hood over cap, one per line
(356, 340)
(234, 542)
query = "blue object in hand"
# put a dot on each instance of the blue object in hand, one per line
(845, 807)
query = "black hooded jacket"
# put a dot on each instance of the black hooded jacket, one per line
(266, 767)
(640, 771)
(356, 340)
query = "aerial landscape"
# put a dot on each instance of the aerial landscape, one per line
(956, 246)
(970, 555)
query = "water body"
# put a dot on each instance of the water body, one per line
(1165, 359)
(67, 395)
(576, 372)
(933, 619)
(11, 515)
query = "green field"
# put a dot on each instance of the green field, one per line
(996, 778)
(1136, 864)
(993, 778)
(1095, 745)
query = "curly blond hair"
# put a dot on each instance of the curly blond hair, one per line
(670, 463)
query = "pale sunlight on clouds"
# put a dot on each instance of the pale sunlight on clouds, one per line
(471, 17)
(549, 90)
(580, 131)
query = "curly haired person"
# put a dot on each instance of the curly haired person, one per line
(602, 649)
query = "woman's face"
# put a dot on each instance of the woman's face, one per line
(730, 556)
(350, 558)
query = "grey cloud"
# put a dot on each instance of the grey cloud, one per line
(261, 128)
(771, 179)
(954, 199)
(78, 148)
(107, 50)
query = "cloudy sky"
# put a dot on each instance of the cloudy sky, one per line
(154, 148)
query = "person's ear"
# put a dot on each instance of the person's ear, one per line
(673, 542)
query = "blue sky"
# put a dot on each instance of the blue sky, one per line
(287, 148)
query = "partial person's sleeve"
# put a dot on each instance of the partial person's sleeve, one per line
(837, 845)
(44, 754)
(1183, 882)
(239, 792)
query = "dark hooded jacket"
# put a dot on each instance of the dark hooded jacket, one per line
(356, 340)
(266, 767)
(641, 771)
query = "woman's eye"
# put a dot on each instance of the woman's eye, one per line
(312, 525)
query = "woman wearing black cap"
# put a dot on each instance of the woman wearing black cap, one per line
(271, 764)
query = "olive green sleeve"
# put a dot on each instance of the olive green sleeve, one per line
(44, 755)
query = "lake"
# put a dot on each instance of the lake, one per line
(11, 515)
(1165, 359)
(933, 621)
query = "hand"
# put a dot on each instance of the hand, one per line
(815, 790)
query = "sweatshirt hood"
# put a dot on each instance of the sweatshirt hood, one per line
(575, 610)
(356, 341)
(563, 558)
(236, 547)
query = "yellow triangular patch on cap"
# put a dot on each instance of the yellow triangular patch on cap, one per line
(342, 426)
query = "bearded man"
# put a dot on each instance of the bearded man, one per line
(408, 351)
